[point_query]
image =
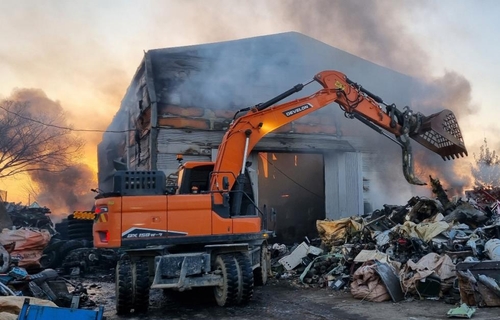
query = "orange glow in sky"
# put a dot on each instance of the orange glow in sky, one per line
(85, 53)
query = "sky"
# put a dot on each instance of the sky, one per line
(83, 54)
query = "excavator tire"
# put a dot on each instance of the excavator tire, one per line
(140, 285)
(245, 278)
(260, 273)
(123, 283)
(227, 293)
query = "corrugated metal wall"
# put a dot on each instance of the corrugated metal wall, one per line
(343, 184)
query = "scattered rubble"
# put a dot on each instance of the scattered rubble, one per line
(438, 248)
(464, 311)
(35, 253)
(30, 217)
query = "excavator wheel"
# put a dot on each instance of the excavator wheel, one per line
(123, 283)
(260, 273)
(140, 285)
(245, 278)
(227, 293)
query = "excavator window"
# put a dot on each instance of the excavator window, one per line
(196, 180)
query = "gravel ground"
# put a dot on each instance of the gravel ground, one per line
(278, 300)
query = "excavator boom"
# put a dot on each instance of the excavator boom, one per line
(438, 132)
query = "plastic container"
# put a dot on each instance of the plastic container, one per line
(492, 247)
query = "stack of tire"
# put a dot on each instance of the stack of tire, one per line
(74, 232)
(80, 225)
(58, 249)
(62, 229)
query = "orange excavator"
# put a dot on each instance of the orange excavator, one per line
(200, 226)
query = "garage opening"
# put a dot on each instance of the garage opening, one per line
(294, 185)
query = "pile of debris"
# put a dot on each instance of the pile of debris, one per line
(28, 241)
(71, 250)
(30, 216)
(25, 231)
(429, 248)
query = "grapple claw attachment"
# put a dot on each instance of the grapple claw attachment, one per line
(408, 169)
(440, 133)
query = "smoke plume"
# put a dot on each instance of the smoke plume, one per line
(87, 60)
(66, 191)
(64, 185)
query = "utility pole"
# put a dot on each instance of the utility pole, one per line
(5, 220)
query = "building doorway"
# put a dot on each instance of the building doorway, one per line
(293, 184)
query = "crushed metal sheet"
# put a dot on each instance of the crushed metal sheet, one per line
(366, 255)
(490, 283)
(390, 280)
(464, 311)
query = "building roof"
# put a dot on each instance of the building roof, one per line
(247, 71)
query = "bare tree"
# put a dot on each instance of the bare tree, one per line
(33, 137)
(486, 171)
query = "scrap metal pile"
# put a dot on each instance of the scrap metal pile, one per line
(25, 233)
(35, 253)
(428, 248)
(30, 217)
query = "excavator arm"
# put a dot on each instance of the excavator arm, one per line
(439, 132)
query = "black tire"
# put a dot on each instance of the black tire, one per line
(140, 285)
(52, 257)
(5, 258)
(62, 228)
(79, 222)
(260, 273)
(68, 247)
(81, 236)
(227, 293)
(123, 286)
(87, 234)
(50, 260)
(80, 230)
(245, 278)
(54, 245)
(80, 227)
(87, 243)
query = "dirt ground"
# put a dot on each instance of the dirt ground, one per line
(280, 299)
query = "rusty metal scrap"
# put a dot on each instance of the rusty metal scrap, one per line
(24, 216)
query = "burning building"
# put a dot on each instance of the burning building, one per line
(181, 100)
